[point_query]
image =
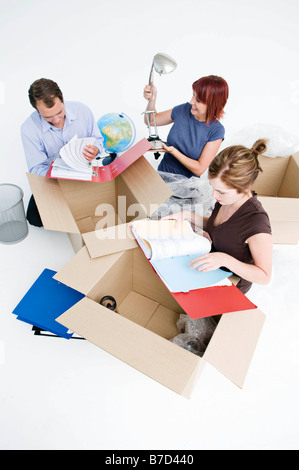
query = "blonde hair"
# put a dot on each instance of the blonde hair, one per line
(237, 166)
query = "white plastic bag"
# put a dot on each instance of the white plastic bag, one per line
(193, 194)
(280, 142)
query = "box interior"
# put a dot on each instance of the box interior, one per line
(128, 277)
(79, 207)
(139, 293)
(146, 318)
(279, 178)
(98, 205)
(277, 188)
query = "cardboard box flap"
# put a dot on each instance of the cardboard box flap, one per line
(82, 273)
(146, 185)
(269, 180)
(281, 208)
(109, 240)
(233, 343)
(54, 211)
(283, 213)
(281, 235)
(138, 347)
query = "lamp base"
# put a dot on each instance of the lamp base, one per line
(156, 141)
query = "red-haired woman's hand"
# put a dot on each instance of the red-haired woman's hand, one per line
(168, 148)
(150, 92)
(90, 152)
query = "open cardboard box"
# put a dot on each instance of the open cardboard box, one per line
(139, 334)
(77, 207)
(277, 188)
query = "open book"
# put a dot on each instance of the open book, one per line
(170, 248)
(164, 239)
(71, 163)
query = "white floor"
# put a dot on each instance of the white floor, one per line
(59, 394)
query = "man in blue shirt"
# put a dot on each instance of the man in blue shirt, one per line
(52, 125)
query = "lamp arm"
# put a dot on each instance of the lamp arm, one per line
(150, 80)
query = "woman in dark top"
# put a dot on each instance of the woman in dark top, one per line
(239, 228)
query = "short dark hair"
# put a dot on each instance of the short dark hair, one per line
(45, 90)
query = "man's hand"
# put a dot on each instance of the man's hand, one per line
(90, 152)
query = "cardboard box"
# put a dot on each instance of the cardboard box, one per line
(78, 207)
(139, 333)
(277, 188)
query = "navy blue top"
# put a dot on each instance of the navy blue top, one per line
(189, 136)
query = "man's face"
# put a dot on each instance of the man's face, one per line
(55, 115)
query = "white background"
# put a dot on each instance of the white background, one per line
(59, 394)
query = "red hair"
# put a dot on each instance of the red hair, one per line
(212, 91)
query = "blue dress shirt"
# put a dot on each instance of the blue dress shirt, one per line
(42, 141)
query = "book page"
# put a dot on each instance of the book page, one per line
(61, 170)
(161, 228)
(144, 245)
(72, 154)
(163, 239)
(71, 163)
(186, 244)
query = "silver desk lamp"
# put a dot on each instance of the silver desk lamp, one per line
(162, 64)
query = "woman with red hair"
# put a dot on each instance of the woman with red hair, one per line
(196, 134)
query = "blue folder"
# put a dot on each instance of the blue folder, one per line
(45, 301)
(179, 277)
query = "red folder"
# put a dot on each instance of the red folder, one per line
(109, 172)
(214, 300)
(209, 301)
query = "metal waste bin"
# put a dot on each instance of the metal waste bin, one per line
(13, 223)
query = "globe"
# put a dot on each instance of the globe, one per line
(118, 131)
